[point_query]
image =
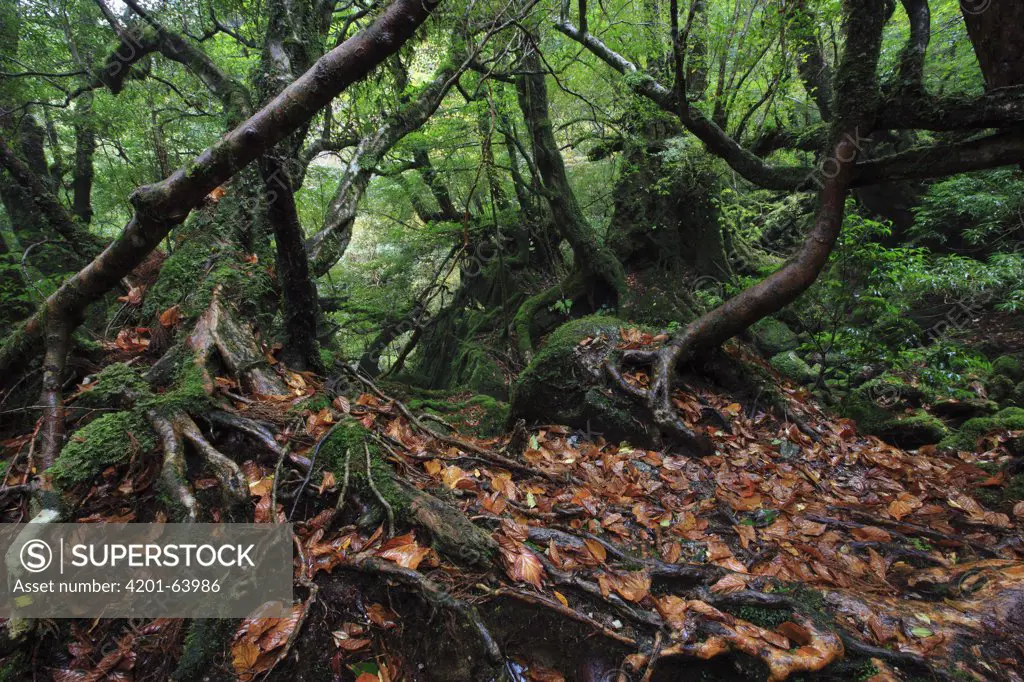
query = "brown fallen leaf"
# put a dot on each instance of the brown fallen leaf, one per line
(871, 534)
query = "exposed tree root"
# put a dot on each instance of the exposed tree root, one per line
(435, 595)
(173, 472)
(217, 331)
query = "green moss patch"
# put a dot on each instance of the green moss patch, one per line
(774, 337)
(1008, 419)
(109, 440)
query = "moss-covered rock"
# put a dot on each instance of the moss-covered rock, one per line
(912, 430)
(893, 391)
(792, 366)
(109, 440)
(773, 337)
(959, 411)
(566, 384)
(480, 372)
(1008, 366)
(1000, 388)
(1008, 419)
(1017, 398)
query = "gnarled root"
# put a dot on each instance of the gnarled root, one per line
(174, 432)
(658, 397)
(173, 476)
(218, 331)
(434, 595)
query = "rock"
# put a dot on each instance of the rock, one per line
(912, 430)
(966, 439)
(1017, 399)
(1000, 388)
(566, 384)
(791, 365)
(1008, 366)
(773, 337)
(960, 411)
(891, 391)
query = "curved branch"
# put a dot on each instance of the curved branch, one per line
(717, 140)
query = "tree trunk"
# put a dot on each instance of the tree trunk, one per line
(994, 28)
(592, 257)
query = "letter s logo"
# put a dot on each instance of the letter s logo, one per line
(36, 556)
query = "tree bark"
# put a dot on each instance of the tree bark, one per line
(592, 257)
(994, 27)
(328, 245)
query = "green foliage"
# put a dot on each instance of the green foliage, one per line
(1008, 419)
(205, 640)
(111, 439)
(981, 207)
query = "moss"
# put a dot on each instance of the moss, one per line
(913, 430)
(792, 366)
(186, 394)
(206, 639)
(773, 337)
(111, 384)
(763, 617)
(15, 668)
(1001, 499)
(566, 337)
(348, 440)
(109, 440)
(1000, 388)
(1017, 398)
(1008, 419)
(208, 256)
(313, 403)
(492, 415)
(477, 370)
(1008, 366)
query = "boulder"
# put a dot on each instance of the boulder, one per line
(959, 411)
(773, 337)
(966, 439)
(566, 383)
(1009, 366)
(912, 430)
(792, 366)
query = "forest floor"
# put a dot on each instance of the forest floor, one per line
(799, 549)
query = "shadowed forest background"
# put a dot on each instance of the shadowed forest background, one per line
(634, 340)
